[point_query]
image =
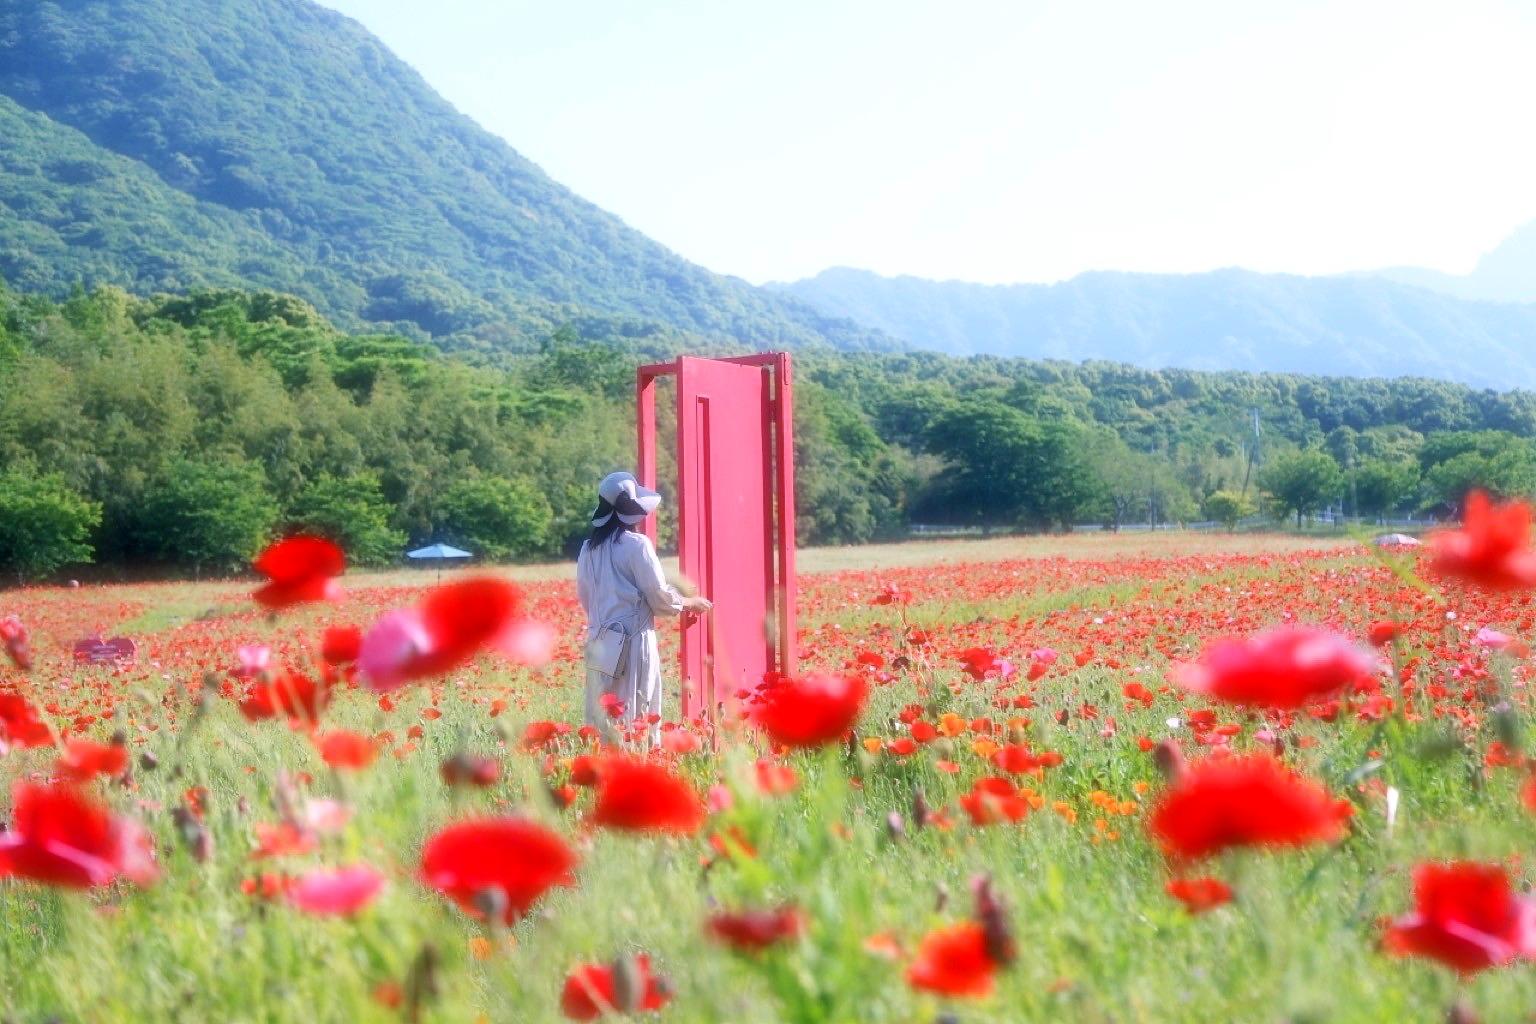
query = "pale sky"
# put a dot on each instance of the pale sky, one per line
(1009, 140)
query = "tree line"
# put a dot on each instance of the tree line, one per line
(179, 433)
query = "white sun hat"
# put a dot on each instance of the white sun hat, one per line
(621, 494)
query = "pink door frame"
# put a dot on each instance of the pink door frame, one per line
(776, 399)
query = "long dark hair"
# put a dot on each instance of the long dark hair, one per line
(600, 534)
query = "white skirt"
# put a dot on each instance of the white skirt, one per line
(637, 686)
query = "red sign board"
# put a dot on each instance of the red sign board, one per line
(735, 502)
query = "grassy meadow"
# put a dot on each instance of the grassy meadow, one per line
(1088, 627)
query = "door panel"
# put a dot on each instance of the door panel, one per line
(725, 507)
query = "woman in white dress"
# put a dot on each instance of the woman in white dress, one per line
(622, 588)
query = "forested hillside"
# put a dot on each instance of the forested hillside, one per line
(1227, 320)
(168, 144)
(185, 430)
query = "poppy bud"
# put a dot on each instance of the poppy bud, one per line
(491, 901)
(421, 981)
(1461, 1013)
(920, 812)
(895, 828)
(1169, 758)
(199, 840)
(628, 986)
(993, 920)
(148, 761)
(940, 898)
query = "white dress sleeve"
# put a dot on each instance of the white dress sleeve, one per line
(648, 575)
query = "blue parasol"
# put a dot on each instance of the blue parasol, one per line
(438, 553)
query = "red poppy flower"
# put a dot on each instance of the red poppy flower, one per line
(1199, 894)
(752, 930)
(339, 645)
(464, 618)
(291, 693)
(1016, 759)
(1288, 667)
(592, 990)
(1383, 632)
(1251, 800)
(537, 734)
(585, 769)
(680, 741)
(1466, 917)
(993, 800)
(282, 839)
(59, 837)
(496, 866)
(639, 796)
(17, 642)
(774, 778)
(84, 759)
(453, 624)
(954, 961)
(811, 711)
(979, 663)
(300, 569)
(344, 749)
(20, 725)
(1493, 547)
(341, 892)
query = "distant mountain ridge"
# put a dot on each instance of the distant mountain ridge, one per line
(1505, 274)
(1223, 320)
(165, 144)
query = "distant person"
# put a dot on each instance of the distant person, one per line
(622, 588)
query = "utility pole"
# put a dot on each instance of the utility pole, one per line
(1253, 451)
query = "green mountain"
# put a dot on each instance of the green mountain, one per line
(1226, 320)
(166, 144)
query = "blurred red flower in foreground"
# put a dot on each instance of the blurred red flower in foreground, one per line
(17, 642)
(290, 693)
(1384, 631)
(84, 759)
(59, 837)
(752, 930)
(993, 800)
(1466, 917)
(1199, 894)
(1493, 547)
(963, 959)
(300, 569)
(20, 725)
(1251, 800)
(454, 623)
(954, 961)
(344, 891)
(1287, 667)
(810, 711)
(343, 749)
(638, 796)
(496, 867)
(628, 986)
(340, 644)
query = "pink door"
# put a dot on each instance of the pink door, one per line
(725, 527)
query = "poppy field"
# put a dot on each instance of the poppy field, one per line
(1165, 779)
